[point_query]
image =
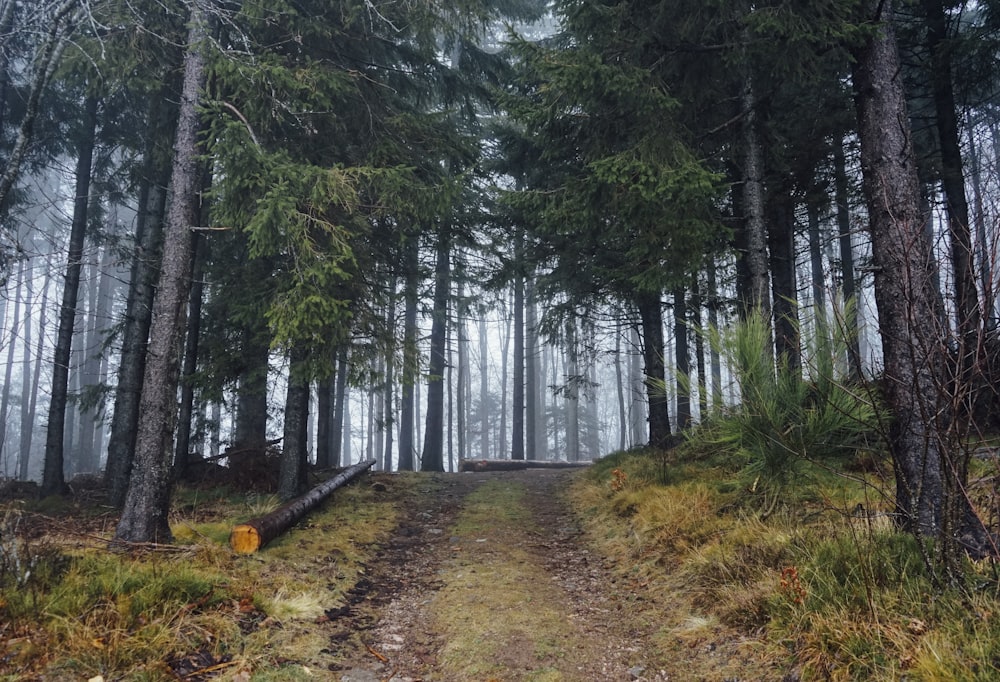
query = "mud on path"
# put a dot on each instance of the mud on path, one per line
(488, 578)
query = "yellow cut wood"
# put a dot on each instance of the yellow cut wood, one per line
(249, 537)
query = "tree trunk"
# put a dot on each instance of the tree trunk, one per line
(930, 475)
(53, 478)
(91, 413)
(620, 388)
(683, 359)
(147, 502)
(484, 388)
(432, 457)
(848, 285)
(249, 537)
(251, 398)
(571, 393)
(986, 250)
(532, 385)
(654, 372)
(953, 181)
(28, 423)
(639, 408)
(464, 386)
(388, 421)
(699, 346)
(411, 356)
(340, 451)
(518, 414)
(592, 408)
(9, 367)
(293, 474)
(713, 324)
(817, 276)
(753, 208)
(138, 311)
(781, 240)
(182, 451)
(324, 414)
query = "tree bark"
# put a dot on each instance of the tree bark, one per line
(533, 420)
(249, 537)
(967, 310)
(817, 276)
(639, 407)
(571, 393)
(251, 398)
(682, 358)
(138, 312)
(28, 423)
(654, 372)
(53, 478)
(848, 285)
(484, 387)
(715, 360)
(781, 243)
(411, 355)
(753, 208)
(293, 474)
(930, 476)
(9, 366)
(694, 318)
(620, 389)
(340, 451)
(518, 413)
(147, 502)
(324, 415)
(185, 418)
(432, 457)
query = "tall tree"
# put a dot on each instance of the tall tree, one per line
(930, 477)
(147, 502)
(53, 477)
(432, 457)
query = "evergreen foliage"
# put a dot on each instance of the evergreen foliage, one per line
(784, 420)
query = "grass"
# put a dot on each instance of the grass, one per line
(498, 612)
(806, 589)
(81, 611)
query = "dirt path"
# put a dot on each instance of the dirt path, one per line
(488, 579)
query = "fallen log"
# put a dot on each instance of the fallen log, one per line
(515, 464)
(248, 537)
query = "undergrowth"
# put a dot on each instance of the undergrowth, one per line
(819, 589)
(71, 609)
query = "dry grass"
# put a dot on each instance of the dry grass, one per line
(810, 591)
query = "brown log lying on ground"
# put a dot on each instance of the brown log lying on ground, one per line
(248, 537)
(514, 464)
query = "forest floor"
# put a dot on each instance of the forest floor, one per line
(470, 577)
(491, 577)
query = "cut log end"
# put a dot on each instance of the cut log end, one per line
(245, 539)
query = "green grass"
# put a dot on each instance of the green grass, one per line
(815, 590)
(81, 610)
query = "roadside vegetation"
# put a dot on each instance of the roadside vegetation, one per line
(71, 609)
(772, 531)
(815, 588)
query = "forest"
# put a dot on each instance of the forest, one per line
(319, 232)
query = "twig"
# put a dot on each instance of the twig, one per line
(376, 654)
